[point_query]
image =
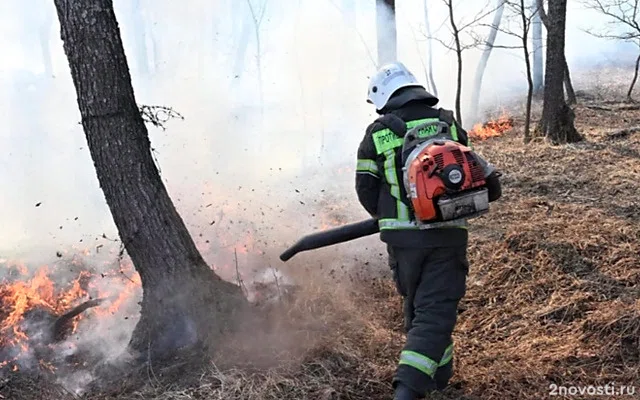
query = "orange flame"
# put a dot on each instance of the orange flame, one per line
(24, 293)
(491, 128)
(19, 297)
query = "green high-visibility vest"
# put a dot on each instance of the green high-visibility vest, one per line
(386, 143)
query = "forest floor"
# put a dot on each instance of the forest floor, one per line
(553, 293)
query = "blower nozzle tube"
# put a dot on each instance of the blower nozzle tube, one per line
(332, 236)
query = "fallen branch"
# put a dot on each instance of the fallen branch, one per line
(621, 108)
(63, 324)
(599, 108)
(623, 133)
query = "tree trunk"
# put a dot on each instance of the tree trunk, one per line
(140, 38)
(484, 59)
(557, 122)
(530, 84)
(185, 304)
(257, 22)
(633, 81)
(44, 33)
(571, 95)
(456, 36)
(386, 27)
(568, 86)
(431, 81)
(242, 22)
(536, 42)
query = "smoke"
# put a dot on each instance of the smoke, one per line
(315, 60)
(262, 156)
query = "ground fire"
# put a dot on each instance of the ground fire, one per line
(492, 128)
(37, 311)
(43, 308)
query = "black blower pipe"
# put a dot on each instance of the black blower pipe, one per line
(332, 236)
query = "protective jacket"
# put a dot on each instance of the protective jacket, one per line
(379, 176)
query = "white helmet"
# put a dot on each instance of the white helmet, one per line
(388, 79)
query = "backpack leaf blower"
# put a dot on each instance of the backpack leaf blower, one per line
(446, 183)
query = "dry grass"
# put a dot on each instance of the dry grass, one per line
(553, 296)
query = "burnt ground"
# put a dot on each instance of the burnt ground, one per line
(553, 294)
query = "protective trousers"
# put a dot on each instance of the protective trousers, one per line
(432, 281)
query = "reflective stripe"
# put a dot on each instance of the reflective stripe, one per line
(419, 362)
(454, 132)
(385, 140)
(391, 223)
(413, 124)
(403, 211)
(390, 172)
(447, 356)
(427, 130)
(364, 165)
(367, 173)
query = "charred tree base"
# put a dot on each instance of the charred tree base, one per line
(190, 314)
(558, 126)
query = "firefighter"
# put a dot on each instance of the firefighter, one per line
(429, 266)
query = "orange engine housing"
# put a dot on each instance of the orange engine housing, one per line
(439, 168)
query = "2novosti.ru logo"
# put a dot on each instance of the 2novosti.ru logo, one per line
(610, 389)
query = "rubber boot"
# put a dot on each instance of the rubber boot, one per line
(405, 393)
(443, 375)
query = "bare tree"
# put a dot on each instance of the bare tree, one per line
(557, 122)
(568, 85)
(484, 59)
(521, 13)
(526, 25)
(386, 27)
(430, 80)
(44, 33)
(185, 304)
(257, 16)
(139, 29)
(624, 16)
(457, 45)
(536, 43)
(243, 42)
(459, 49)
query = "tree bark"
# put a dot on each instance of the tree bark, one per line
(386, 27)
(634, 80)
(456, 36)
(571, 95)
(536, 42)
(557, 122)
(484, 59)
(185, 304)
(431, 81)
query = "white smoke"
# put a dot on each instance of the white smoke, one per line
(257, 153)
(315, 61)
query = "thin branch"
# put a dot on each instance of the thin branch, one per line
(626, 14)
(275, 276)
(158, 115)
(238, 276)
(364, 42)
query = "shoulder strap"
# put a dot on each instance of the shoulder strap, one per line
(393, 123)
(446, 116)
